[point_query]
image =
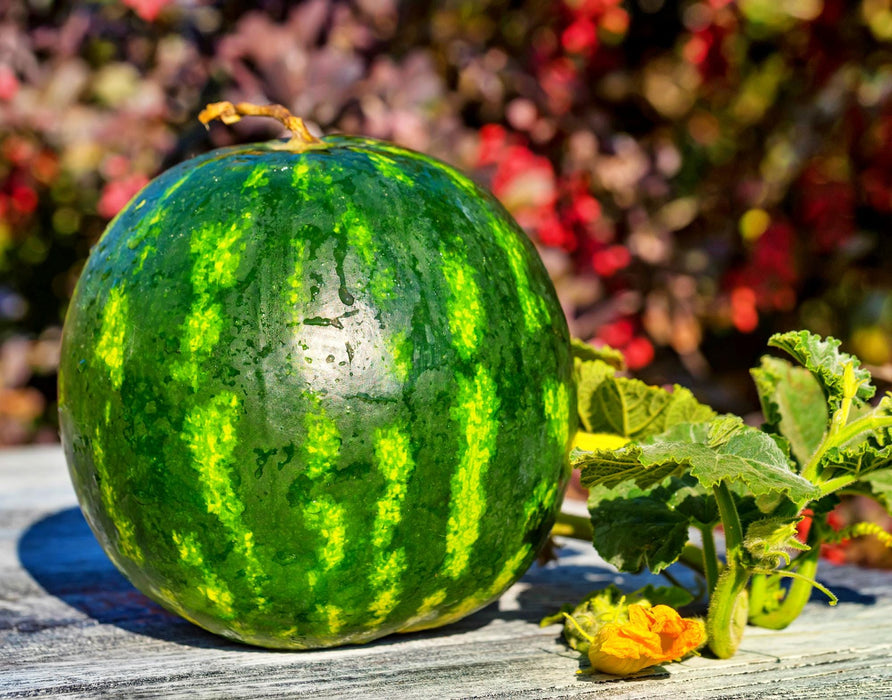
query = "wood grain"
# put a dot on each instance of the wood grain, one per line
(71, 626)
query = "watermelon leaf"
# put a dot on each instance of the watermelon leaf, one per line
(822, 357)
(634, 528)
(589, 353)
(631, 408)
(793, 405)
(880, 486)
(724, 449)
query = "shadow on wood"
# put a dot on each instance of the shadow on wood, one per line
(62, 555)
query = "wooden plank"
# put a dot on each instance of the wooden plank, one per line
(71, 626)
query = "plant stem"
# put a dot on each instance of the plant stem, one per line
(730, 521)
(839, 482)
(671, 578)
(710, 559)
(797, 595)
(728, 604)
(795, 599)
(840, 430)
(727, 614)
(575, 526)
(759, 590)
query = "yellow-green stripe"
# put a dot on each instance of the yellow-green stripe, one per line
(112, 334)
(324, 515)
(209, 431)
(323, 443)
(393, 457)
(212, 587)
(387, 167)
(329, 519)
(360, 237)
(475, 411)
(217, 251)
(556, 404)
(532, 305)
(427, 612)
(464, 309)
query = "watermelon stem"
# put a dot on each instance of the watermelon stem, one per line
(230, 113)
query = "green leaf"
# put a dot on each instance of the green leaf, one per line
(673, 596)
(724, 449)
(610, 468)
(823, 359)
(769, 541)
(635, 528)
(752, 457)
(867, 450)
(589, 353)
(695, 502)
(631, 408)
(793, 404)
(858, 458)
(589, 376)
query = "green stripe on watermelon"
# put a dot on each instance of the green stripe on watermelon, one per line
(394, 365)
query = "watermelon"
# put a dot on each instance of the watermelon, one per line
(315, 393)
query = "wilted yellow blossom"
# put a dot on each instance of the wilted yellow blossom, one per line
(651, 636)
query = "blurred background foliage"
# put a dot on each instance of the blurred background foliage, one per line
(697, 174)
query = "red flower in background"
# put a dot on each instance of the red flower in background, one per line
(147, 9)
(524, 182)
(621, 335)
(9, 83)
(827, 208)
(581, 37)
(117, 193)
(768, 279)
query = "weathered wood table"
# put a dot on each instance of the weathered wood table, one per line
(70, 625)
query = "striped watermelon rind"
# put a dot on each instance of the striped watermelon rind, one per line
(313, 398)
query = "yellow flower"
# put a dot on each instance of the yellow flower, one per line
(651, 636)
